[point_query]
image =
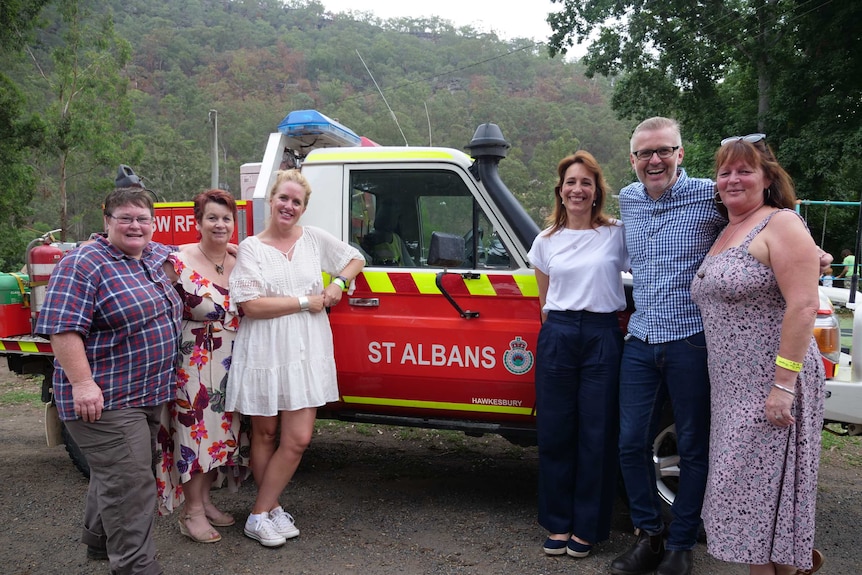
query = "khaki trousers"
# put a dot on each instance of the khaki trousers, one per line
(119, 514)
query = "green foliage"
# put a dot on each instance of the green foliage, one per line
(17, 19)
(17, 180)
(20, 131)
(782, 67)
(75, 82)
(133, 82)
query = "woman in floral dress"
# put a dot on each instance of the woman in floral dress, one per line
(198, 438)
(757, 292)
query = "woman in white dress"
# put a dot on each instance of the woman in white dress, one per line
(283, 363)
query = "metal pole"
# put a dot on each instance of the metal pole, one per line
(213, 120)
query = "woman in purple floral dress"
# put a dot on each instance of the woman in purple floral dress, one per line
(757, 292)
(199, 440)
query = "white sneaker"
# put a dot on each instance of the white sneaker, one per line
(263, 531)
(283, 522)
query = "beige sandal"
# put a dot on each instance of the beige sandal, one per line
(217, 517)
(203, 536)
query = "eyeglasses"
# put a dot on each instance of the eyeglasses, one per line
(663, 153)
(127, 220)
(750, 138)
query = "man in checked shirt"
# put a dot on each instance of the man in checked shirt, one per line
(670, 223)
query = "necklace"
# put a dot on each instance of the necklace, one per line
(219, 268)
(726, 239)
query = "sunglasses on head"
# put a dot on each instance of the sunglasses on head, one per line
(750, 138)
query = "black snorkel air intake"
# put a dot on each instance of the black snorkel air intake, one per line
(488, 147)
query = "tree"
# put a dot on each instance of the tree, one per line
(787, 68)
(87, 110)
(20, 132)
(673, 54)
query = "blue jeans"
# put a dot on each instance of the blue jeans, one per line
(577, 408)
(649, 374)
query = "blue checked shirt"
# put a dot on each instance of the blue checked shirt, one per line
(667, 239)
(128, 315)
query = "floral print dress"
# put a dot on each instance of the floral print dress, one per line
(762, 485)
(196, 434)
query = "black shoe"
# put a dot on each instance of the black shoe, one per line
(642, 557)
(97, 553)
(675, 563)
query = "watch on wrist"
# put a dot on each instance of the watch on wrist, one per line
(342, 281)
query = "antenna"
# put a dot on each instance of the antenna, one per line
(394, 119)
(428, 116)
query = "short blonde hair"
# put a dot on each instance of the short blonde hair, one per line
(282, 176)
(653, 124)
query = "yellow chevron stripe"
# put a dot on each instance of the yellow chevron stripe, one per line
(28, 346)
(379, 282)
(426, 282)
(527, 283)
(480, 286)
(437, 405)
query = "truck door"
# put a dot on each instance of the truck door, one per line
(402, 347)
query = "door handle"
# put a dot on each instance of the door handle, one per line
(364, 301)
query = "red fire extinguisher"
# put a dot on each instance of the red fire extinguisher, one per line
(42, 258)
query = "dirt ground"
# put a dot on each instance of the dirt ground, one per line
(368, 500)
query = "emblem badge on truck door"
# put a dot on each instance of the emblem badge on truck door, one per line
(517, 360)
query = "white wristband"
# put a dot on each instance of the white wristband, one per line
(303, 303)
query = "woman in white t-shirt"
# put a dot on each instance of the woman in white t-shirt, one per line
(578, 260)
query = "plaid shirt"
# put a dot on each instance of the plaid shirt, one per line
(667, 239)
(128, 315)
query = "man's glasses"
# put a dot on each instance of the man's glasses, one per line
(127, 220)
(750, 138)
(662, 153)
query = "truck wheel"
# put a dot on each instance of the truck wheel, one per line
(75, 453)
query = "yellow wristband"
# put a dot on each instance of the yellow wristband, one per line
(787, 364)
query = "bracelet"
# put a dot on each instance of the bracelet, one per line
(784, 389)
(341, 281)
(787, 364)
(303, 303)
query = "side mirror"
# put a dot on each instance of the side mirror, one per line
(447, 250)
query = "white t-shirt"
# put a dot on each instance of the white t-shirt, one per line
(583, 267)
